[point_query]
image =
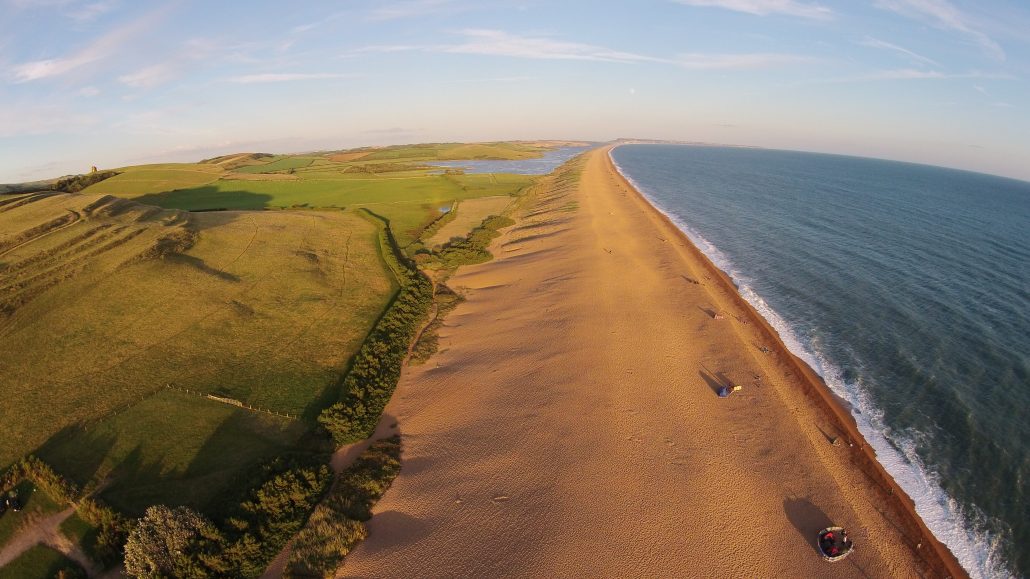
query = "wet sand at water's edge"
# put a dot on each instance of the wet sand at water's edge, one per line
(570, 424)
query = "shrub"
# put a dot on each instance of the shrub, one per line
(43, 476)
(171, 543)
(112, 530)
(77, 183)
(472, 248)
(336, 526)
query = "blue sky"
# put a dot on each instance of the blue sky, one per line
(116, 82)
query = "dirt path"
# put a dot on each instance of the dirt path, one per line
(46, 530)
(570, 426)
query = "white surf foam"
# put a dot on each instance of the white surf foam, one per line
(979, 553)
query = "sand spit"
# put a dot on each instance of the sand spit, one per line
(570, 426)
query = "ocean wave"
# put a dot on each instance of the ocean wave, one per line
(963, 532)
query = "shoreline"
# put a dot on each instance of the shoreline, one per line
(572, 410)
(818, 391)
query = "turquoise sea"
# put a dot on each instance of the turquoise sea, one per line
(907, 287)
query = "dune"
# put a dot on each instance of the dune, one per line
(570, 425)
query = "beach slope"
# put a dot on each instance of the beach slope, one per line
(570, 424)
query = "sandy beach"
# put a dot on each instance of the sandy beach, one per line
(570, 424)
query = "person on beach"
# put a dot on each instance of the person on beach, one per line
(725, 391)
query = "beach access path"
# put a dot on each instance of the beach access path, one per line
(570, 425)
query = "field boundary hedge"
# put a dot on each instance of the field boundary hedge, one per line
(338, 523)
(376, 368)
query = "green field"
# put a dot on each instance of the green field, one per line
(41, 562)
(262, 307)
(136, 181)
(172, 448)
(160, 353)
(454, 151)
(277, 165)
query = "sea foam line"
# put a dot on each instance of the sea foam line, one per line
(979, 553)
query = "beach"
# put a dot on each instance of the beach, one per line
(570, 425)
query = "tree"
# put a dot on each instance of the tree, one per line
(172, 543)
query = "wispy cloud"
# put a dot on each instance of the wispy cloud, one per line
(90, 11)
(697, 61)
(286, 77)
(148, 77)
(883, 44)
(766, 7)
(185, 57)
(944, 15)
(41, 119)
(385, 48)
(500, 43)
(74, 9)
(409, 9)
(914, 74)
(104, 47)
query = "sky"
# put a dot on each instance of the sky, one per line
(119, 82)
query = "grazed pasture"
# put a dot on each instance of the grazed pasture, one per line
(108, 302)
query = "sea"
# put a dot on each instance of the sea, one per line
(907, 288)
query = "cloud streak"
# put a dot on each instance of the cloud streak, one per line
(767, 7)
(101, 49)
(286, 77)
(883, 44)
(500, 43)
(487, 42)
(944, 15)
(409, 9)
(738, 61)
(914, 74)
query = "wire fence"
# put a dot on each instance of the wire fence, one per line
(230, 401)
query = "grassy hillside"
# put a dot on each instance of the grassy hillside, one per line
(397, 183)
(172, 333)
(133, 182)
(109, 306)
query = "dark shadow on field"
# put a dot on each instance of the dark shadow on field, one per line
(207, 198)
(238, 455)
(807, 518)
(134, 471)
(76, 452)
(202, 266)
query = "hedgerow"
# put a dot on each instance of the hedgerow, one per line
(337, 524)
(376, 367)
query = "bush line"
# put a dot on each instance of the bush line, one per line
(376, 367)
(468, 250)
(337, 525)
